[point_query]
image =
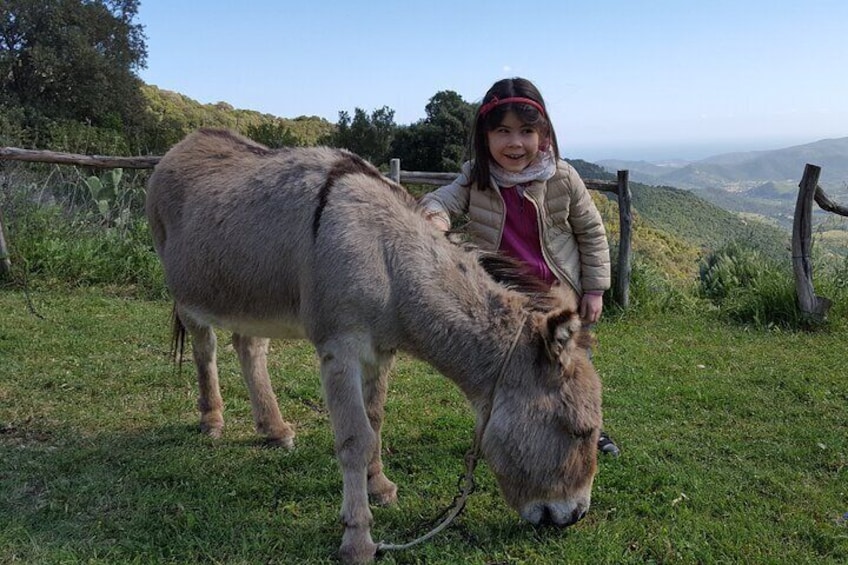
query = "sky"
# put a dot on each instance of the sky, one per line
(623, 79)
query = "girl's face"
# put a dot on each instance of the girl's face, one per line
(513, 144)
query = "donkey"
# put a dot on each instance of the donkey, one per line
(317, 243)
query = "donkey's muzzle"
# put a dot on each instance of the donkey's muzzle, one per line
(560, 514)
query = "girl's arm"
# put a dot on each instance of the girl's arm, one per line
(588, 228)
(449, 200)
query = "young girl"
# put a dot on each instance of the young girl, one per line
(526, 202)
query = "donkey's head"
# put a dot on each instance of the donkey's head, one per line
(542, 434)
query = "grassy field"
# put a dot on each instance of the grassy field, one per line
(735, 445)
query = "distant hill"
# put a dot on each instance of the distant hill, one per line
(760, 184)
(686, 215)
(741, 171)
(672, 225)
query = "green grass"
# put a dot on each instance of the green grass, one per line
(735, 444)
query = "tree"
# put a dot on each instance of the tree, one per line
(72, 59)
(438, 142)
(370, 137)
(273, 135)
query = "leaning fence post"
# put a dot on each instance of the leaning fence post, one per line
(802, 230)
(625, 222)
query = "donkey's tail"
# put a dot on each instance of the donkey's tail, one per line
(178, 337)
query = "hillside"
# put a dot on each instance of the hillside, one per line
(758, 184)
(702, 223)
(662, 212)
(175, 115)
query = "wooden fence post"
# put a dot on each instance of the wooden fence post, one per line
(808, 302)
(5, 262)
(625, 222)
(394, 170)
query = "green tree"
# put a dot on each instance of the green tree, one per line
(438, 142)
(273, 134)
(72, 60)
(369, 136)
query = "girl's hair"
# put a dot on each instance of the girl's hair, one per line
(493, 108)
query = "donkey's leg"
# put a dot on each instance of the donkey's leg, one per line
(253, 354)
(341, 377)
(381, 490)
(209, 402)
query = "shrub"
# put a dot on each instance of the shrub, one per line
(68, 233)
(731, 267)
(831, 281)
(56, 250)
(653, 291)
(749, 288)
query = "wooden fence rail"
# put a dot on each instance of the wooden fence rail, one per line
(620, 187)
(97, 161)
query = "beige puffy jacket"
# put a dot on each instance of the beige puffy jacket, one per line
(574, 242)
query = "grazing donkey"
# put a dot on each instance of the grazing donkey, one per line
(316, 243)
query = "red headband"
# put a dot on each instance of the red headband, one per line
(495, 102)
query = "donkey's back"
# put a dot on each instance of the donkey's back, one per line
(237, 227)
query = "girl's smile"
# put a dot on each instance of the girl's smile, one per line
(513, 144)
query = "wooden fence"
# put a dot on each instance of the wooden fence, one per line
(620, 187)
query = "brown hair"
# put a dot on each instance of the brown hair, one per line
(486, 121)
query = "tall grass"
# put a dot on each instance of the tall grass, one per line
(72, 230)
(752, 289)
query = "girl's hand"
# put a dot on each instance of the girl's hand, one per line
(439, 222)
(591, 306)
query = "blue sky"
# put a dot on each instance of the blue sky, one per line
(631, 79)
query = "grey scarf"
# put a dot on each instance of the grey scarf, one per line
(542, 168)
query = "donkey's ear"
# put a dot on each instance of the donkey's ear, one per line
(559, 333)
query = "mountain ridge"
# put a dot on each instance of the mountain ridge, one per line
(740, 171)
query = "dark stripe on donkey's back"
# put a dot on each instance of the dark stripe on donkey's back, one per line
(348, 164)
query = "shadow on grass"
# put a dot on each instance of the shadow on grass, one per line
(164, 494)
(169, 494)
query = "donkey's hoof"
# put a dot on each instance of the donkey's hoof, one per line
(215, 431)
(280, 442)
(381, 490)
(357, 547)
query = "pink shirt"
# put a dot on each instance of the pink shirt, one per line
(520, 238)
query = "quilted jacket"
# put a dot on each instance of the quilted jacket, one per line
(574, 242)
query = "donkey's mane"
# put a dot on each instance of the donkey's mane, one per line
(513, 274)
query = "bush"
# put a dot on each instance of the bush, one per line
(729, 268)
(65, 233)
(653, 291)
(749, 288)
(55, 250)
